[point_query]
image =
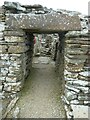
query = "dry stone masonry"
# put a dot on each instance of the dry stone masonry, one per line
(2, 78)
(77, 71)
(16, 50)
(17, 25)
(39, 19)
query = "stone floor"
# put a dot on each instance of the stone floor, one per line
(40, 97)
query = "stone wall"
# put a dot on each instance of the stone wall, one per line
(77, 74)
(2, 78)
(16, 50)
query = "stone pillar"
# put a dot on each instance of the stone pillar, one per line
(60, 59)
(29, 53)
(77, 74)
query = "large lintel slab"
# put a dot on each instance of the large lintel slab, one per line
(54, 22)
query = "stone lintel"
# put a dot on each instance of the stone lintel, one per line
(54, 22)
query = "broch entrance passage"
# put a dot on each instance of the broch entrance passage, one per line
(44, 62)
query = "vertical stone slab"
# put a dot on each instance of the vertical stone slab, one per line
(29, 54)
(60, 59)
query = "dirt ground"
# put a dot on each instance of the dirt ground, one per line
(41, 95)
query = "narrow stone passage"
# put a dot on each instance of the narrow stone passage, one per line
(40, 97)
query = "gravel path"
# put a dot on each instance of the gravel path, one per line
(40, 97)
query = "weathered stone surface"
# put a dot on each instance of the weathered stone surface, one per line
(2, 14)
(17, 49)
(48, 22)
(14, 33)
(16, 70)
(84, 28)
(16, 58)
(77, 88)
(71, 95)
(75, 67)
(7, 64)
(1, 34)
(2, 10)
(80, 41)
(77, 75)
(85, 74)
(77, 102)
(3, 48)
(4, 56)
(71, 88)
(2, 18)
(76, 57)
(10, 106)
(15, 61)
(2, 26)
(9, 87)
(13, 5)
(78, 83)
(84, 97)
(2, 95)
(2, 78)
(80, 112)
(70, 75)
(11, 79)
(1, 86)
(5, 103)
(4, 71)
(14, 39)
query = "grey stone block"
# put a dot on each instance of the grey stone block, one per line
(9, 87)
(3, 48)
(20, 33)
(17, 49)
(14, 39)
(46, 22)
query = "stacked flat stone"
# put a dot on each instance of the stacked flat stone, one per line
(77, 71)
(2, 78)
(17, 46)
(16, 61)
(16, 51)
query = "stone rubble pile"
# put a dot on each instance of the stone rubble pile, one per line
(13, 7)
(16, 50)
(77, 71)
